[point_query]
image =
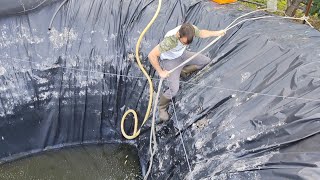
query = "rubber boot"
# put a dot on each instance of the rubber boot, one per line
(163, 105)
(187, 70)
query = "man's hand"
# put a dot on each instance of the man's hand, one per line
(163, 74)
(221, 33)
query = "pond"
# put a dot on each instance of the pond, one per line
(95, 162)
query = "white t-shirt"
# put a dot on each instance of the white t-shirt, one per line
(176, 51)
(171, 47)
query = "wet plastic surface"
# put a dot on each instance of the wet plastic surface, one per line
(251, 113)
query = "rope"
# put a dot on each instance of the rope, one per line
(136, 132)
(244, 16)
(260, 94)
(54, 15)
(266, 17)
(184, 147)
(153, 132)
(26, 10)
(306, 18)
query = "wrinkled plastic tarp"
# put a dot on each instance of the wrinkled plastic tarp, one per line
(252, 113)
(11, 7)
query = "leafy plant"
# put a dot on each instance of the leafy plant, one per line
(315, 9)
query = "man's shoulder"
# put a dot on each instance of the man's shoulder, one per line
(169, 42)
(171, 38)
(196, 30)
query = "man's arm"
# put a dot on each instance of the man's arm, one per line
(207, 33)
(153, 58)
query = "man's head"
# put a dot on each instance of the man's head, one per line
(186, 33)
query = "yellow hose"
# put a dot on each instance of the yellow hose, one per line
(136, 132)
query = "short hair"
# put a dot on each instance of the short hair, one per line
(188, 31)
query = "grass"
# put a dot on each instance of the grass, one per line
(282, 5)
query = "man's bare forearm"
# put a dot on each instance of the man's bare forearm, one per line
(207, 33)
(155, 62)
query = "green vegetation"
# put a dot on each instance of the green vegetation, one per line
(315, 9)
(314, 17)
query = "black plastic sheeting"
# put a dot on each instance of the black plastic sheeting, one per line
(10, 7)
(252, 113)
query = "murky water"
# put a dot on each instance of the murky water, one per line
(103, 162)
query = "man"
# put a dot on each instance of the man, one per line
(172, 51)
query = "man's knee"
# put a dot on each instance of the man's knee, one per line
(171, 92)
(205, 60)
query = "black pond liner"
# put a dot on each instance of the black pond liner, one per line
(253, 112)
